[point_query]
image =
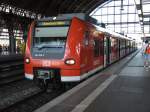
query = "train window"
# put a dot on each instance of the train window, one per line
(101, 47)
(50, 37)
(96, 47)
(86, 38)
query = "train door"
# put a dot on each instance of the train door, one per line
(125, 47)
(106, 51)
(119, 48)
(86, 57)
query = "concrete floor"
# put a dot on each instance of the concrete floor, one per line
(129, 92)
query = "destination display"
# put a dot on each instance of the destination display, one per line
(53, 23)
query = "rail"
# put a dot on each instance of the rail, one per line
(11, 68)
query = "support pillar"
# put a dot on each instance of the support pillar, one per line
(12, 40)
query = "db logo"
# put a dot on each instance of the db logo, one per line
(46, 63)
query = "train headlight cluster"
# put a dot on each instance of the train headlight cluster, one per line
(27, 60)
(70, 61)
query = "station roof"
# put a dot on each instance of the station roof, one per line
(143, 10)
(54, 7)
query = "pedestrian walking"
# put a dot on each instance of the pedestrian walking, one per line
(143, 48)
(147, 57)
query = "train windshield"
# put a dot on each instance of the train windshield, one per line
(50, 37)
(49, 40)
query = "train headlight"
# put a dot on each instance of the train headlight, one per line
(70, 61)
(27, 60)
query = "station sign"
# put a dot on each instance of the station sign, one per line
(53, 23)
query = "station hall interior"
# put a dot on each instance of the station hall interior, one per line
(74, 55)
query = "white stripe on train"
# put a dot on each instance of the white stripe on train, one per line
(70, 78)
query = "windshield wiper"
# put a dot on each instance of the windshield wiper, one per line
(41, 47)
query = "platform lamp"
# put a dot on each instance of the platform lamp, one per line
(137, 1)
(122, 5)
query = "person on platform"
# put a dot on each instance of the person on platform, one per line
(143, 48)
(147, 56)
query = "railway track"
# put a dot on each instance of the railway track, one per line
(11, 70)
(33, 99)
(19, 104)
(15, 92)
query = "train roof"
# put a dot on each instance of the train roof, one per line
(69, 16)
(111, 33)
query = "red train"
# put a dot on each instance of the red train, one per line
(69, 49)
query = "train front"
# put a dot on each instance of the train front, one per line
(51, 54)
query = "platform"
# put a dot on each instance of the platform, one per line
(122, 87)
(11, 57)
